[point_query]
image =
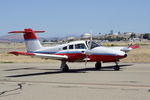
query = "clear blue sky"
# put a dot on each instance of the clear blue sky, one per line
(69, 17)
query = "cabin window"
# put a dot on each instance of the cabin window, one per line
(65, 48)
(70, 46)
(80, 46)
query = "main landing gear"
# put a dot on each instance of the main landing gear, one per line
(116, 67)
(64, 67)
(98, 65)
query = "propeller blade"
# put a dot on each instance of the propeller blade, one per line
(90, 41)
(88, 51)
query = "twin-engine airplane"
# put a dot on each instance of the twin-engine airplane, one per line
(77, 51)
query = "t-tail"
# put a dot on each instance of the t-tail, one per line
(31, 41)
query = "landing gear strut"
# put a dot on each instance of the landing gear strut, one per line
(64, 67)
(116, 67)
(98, 65)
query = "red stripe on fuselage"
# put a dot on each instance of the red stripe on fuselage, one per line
(72, 57)
(105, 58)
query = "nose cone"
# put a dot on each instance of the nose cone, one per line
(108, 51)
(125, 55)
(121, 54)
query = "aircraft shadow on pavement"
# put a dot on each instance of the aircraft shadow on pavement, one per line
(83, 70)
(30, 68)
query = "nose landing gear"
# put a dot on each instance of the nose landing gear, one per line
(116, 67)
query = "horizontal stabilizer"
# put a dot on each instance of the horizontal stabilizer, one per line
(29, 30)
(26, 31)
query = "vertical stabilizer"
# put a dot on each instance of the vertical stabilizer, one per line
(31, 41)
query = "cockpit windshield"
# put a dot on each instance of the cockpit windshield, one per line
(93, 44)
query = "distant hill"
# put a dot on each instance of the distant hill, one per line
(19, 38)
(15, 38)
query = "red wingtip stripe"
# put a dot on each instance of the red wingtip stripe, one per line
(135, 46)
(20, 53)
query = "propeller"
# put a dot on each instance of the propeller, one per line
(130, 45)
(88, 51)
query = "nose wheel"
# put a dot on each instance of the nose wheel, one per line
(116, 67)
(98, 65)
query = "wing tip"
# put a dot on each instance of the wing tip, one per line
(135, 46)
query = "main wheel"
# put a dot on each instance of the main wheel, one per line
(98, 66)
(117, 67)
(66, 68)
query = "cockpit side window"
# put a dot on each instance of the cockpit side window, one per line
(93, 44)
(70, 46)
(65, 48)
(80, 46)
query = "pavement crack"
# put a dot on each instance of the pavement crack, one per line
(20, 86)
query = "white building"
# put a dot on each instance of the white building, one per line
(115, 34)
(128, 33)
(86, 35)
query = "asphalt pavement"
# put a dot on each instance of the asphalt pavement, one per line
(45, 81)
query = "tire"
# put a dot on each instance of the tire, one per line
(66, 68)
(117, 67)
(98, 66)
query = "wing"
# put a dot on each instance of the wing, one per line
(44, 56)
(126, 49)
